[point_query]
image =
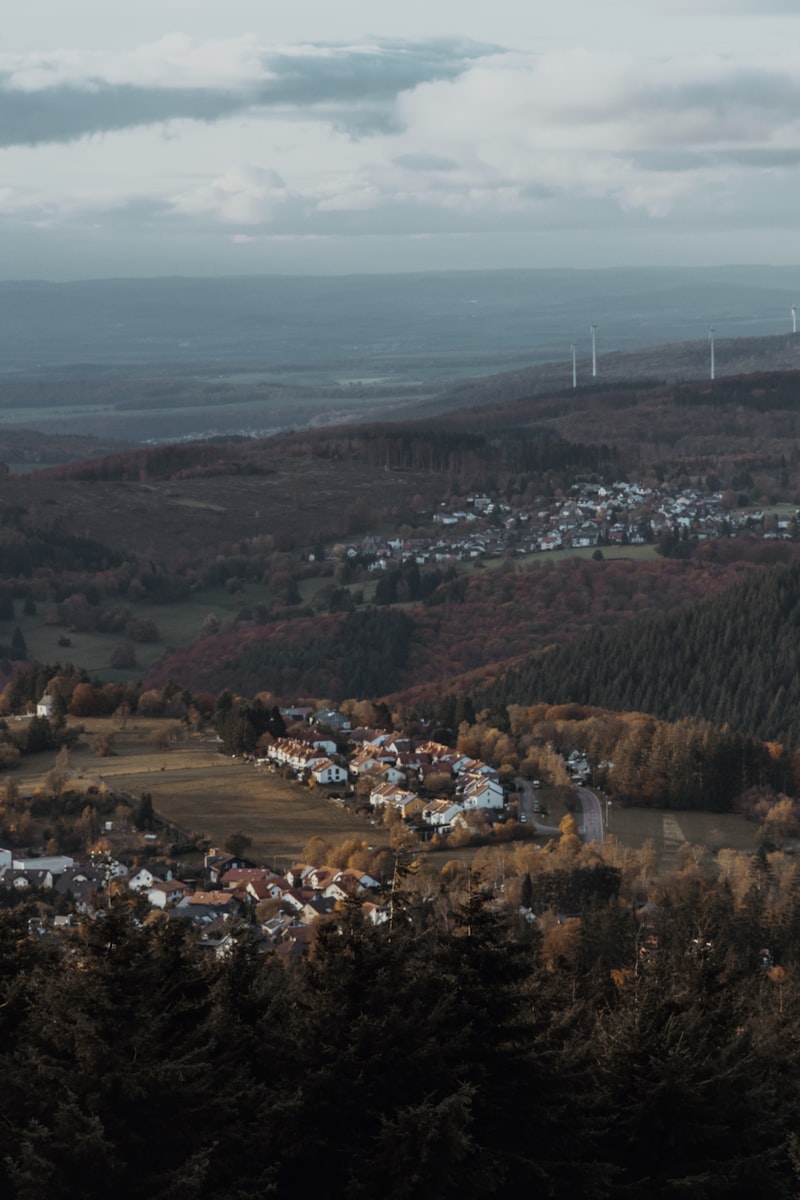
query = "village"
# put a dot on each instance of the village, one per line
(592, 515)
(422, 787)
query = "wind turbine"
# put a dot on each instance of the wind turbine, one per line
(574, 367)
(711, 341)
(794, 318)
(594, 352)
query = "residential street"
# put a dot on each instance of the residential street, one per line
(590, 822)
(526, 796)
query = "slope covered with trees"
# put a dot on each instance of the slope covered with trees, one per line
(732, 659)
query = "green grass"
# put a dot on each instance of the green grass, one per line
(178, 625)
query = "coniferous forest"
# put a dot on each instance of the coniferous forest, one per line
(635, 1053)
(732, 661)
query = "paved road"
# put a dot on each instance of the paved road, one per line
(526, 796)
(590, 823)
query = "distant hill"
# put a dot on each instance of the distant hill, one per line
(668, 363)
(164, 359)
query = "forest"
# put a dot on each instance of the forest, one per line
(731, 660)
(455, 1055)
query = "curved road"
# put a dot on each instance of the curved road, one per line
(526, 796)
(590, 817)
(590, 824)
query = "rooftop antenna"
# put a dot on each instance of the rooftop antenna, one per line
(574, 367)
(594, 352)
(794, 318)
(711, 341)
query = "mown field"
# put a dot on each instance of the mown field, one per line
(669, 830)
(197, 789)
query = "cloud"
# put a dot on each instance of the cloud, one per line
(425, 162)
(400, 139)
(754, 8)
(64, 96)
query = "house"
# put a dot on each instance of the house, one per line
(297, 712)
(409, 807)
(347, 883)
(577, 764)
(46, 706)
(319, 877)
(57, 863)
(329, 718)
(441, 813)
(297, 943)
(319, 906)
(391, 774)
(165, 894)
(480, 792)
(215, 935)
(84, 894)
(296, 897)
(224, 901)
(389, 793)
(364, 762)
(145, 876)
(326, 744)
(378, 914)
(329, 772)
(296, 876)
(237, 878)
(19, 879)
(263, 889)
(216, 862)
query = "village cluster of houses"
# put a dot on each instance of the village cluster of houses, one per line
(394, 766)
(235, 888)
(593, 514)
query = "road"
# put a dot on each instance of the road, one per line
(526, 797)
(590, 822)
(590, 817)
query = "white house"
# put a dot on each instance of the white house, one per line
(389, 793)
(480, 792)
(441, 813)
(329, 772)
(145, 877)
(166, 893)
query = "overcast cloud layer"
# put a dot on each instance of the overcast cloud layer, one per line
(590, 137)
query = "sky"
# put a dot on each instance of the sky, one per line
(201, 137)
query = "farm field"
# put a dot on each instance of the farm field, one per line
(670, 829)
(197, 789)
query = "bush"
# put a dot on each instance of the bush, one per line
(123, 656)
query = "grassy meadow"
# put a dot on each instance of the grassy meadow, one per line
(200, 791)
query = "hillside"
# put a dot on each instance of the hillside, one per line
(733, 659)
(279, 563)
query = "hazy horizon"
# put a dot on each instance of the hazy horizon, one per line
(412, 324)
